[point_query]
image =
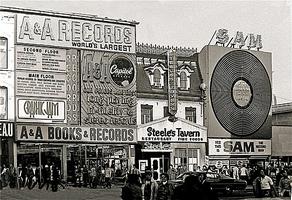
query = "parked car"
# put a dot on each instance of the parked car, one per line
(218, 182)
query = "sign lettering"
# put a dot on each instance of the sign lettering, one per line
(75, 134)
(72, 33)
(239, 147)
(6, 129)
(239, 40)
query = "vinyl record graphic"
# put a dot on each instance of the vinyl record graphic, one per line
(240, 92)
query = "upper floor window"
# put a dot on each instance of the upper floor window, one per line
(157, 77)
(3, 53)
(3, 102)
(183, 81)
(165, 111)
(191, 114)
(146, 114)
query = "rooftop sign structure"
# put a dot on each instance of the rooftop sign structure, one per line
(238, 40)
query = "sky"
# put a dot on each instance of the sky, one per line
(192, 24)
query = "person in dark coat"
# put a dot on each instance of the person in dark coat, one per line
(190, 190)
(165, 189)
(132, 189)
(206, 188)
(46, 177)
(55, 178)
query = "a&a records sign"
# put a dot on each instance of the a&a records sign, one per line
(75, 134)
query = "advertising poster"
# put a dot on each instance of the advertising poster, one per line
(40, 84)
(40, 58)
(108, 89)
(239, 147)
(36, 109)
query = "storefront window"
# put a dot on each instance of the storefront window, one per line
(180, 158)
(3, 53)
(193, 160)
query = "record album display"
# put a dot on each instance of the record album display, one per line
(240, 92)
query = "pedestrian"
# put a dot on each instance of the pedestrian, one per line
(235, 172)
(132, 189)
(78, 176)
(30, 177)
(46, 173)
(266, 183)
(108, 176)
(285, 185)
(93, 179)
(135, 170)
(172, 173)
(165, 189)
(205, 187)
(55, 178)
(243, 173)
(189, 190)
(12, 176)
(4, 176)
(85, 175)
(149, 188)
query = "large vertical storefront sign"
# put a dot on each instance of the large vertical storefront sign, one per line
(227, 147)
(172, 82)
(72, 33)
(73, 89)
(108, 89)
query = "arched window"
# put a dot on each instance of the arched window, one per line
(157, 77)
(183, 80)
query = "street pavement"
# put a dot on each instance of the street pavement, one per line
(75, 193)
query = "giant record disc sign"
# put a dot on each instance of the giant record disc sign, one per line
(240, 92)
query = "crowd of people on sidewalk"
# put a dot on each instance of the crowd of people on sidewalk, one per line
(270, 181)
(28, 176)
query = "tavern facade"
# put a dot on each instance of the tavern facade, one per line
(166, 139)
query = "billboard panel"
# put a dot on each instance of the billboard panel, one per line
(108, 89)
(239, 93)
